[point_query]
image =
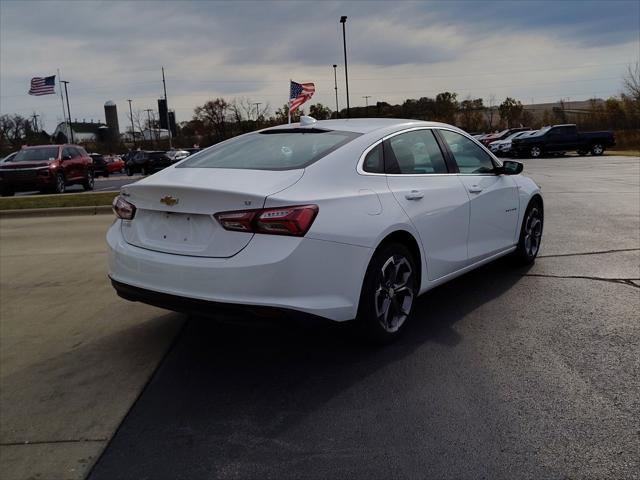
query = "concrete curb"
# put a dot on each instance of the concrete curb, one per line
(55, 212)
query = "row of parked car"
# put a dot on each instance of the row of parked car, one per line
(553, 139)
(52, 168)
(146, 162)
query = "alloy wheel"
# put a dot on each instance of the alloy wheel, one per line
(535, 152)
(394, 294)
(533, 232)
(597, 149)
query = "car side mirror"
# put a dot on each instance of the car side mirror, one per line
(510, 167)
(66, 157)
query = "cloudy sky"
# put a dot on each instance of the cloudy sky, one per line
(537, 51)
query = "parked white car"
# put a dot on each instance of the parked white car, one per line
(342, 219)
(503, 147)
(177, 155)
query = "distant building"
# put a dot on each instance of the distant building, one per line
(111, 117)
(155, 133)
(82, 132)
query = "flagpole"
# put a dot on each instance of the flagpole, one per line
(289, 102)
(64, 115)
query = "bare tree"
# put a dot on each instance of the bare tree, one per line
(491, 111)
(213, 114)
(631, 81)
(246, 109)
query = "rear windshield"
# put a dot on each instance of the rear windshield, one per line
(284, 149)
(35, 154)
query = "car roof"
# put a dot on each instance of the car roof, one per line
(364, 125)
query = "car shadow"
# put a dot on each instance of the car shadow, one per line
(239, 390)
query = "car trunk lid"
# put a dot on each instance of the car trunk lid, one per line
(174, 208)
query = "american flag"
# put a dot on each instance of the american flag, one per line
(43, 86)
(300, 93)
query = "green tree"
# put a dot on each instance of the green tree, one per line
(282, 114)
(446, 107)
(320, 112)
(471, 118)
(511, 111)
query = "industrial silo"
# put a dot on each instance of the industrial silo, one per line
(111, 117)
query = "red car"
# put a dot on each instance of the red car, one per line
(48, 168)
(115, 164)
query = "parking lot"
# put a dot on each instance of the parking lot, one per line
(504, 372)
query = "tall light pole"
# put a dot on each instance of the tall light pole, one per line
(366, 102)
(149, 110)
(343, 21)
(335, 86)
(66, 94)
(133, 131)
(166, 102)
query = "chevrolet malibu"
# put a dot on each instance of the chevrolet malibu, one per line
(340, 219)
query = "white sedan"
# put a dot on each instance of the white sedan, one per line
(341, 219)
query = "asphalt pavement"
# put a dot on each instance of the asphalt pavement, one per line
(504, 373)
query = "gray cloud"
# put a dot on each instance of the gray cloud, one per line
(114, 50)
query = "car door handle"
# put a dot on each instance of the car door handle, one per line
(475, 189)
(414, 195)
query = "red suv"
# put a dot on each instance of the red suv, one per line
(48, 168)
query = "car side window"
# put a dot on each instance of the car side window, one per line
(374, 161)
(67, 152)
(415, 152)
(469, 157)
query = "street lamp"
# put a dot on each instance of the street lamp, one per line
(335, 86)
(343, 21)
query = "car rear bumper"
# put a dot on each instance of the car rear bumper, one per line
(316, 277)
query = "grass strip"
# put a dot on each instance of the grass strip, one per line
(58, 201)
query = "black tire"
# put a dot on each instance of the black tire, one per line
(379, 297)
(129, 171)
(89, 181)
(597, 149)
(143, 171)
(530, 233)
(60, 185)
(535, 151)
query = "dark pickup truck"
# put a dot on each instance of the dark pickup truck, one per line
(562, 138)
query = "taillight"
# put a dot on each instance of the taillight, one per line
(123, 209)
(294, 220)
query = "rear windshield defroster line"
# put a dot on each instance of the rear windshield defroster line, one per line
(275, 149)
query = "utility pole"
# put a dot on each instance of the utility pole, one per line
(35, 121)
(257, 104)
(149, 110)
(335, 86)
(66, 93)
(133, 132)
(366, 102)
(343, 21)
(164, 84)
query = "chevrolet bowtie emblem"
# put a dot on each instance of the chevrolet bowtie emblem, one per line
(169, 200)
